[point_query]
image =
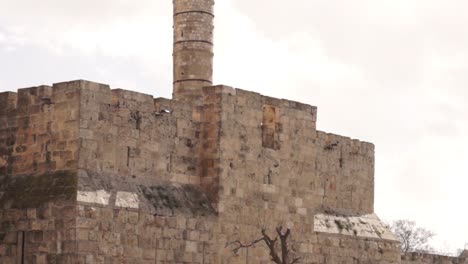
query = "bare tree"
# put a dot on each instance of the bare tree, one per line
(283, 258)
(412, 237)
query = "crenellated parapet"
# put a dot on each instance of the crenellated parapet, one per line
(38, 130)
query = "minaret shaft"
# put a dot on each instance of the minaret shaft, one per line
(193, 47)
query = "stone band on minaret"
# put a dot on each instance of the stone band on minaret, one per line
(193, 47)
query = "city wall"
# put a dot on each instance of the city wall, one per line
(422, 258)
(147, 180)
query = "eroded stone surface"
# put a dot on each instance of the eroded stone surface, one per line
(171, 199)
(94, 197)
(422, 258)
(368, 226)
(127, 200)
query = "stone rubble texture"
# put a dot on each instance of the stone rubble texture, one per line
(421, 258)
(94, 175)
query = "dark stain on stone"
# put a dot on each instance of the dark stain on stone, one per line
(21, 149)
(11, 140)
(167, 199)
(28, 191)
(189, 143)
(136, 119)
(331, 146)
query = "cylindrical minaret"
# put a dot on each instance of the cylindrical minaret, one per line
(193, 47)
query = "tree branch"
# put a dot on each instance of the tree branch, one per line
(284, 243)
(295, 260)
(241, 245)
(271, 244)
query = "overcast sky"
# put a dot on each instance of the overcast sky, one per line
(392, 72)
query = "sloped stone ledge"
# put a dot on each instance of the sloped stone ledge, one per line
(365, 226)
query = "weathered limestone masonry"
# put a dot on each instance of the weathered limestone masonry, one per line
(420, 258)
(39, 145)
(94, 175)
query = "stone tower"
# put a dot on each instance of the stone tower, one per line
(193, 47)
(90, 174)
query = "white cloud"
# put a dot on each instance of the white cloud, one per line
(116, 28)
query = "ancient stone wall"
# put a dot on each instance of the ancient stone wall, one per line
(38, 235)
(268, 166)
(238, 142)
(38, 186)
(132, 236)
(172, 182)
(270, 152)
(134, 138)
(38, 129)
(121, 235)
(421, 258)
